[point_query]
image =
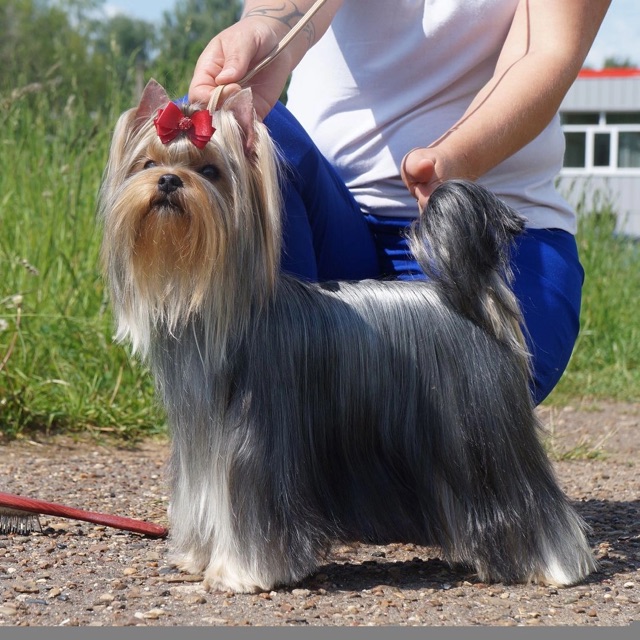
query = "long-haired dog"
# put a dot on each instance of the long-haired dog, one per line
(302, 413)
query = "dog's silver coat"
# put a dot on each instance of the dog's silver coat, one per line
(303, 413)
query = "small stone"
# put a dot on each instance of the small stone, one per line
(629, 585)
(27, 587)
(38, 601)
(215, 621)
(153, 614)
(182, 578)
(106, 598)
(8, 611)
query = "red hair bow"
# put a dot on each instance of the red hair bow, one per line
(170, 122)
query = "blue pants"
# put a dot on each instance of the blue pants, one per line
(327, 237)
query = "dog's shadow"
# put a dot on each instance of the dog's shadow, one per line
(417, 573)
(614, 537)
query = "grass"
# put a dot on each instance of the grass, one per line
(59, 368)
(606, 360)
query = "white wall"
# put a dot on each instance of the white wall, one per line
(587, 193)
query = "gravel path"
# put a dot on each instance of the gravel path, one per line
(80, 574)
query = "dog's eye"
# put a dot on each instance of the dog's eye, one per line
(210, 172)
(149, 164)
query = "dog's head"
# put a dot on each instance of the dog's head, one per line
(191, 211)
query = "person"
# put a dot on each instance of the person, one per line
(389, 99)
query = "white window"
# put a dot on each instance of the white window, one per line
(602, 143)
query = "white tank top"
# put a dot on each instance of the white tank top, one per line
(391, 75)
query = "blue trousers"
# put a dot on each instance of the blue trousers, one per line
(326, 237)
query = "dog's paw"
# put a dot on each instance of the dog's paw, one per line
(221, 577)
(189, 563)
(565, 574)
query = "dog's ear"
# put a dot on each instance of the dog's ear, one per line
(241, 106)
(153, 97)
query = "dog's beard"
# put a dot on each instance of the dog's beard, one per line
(162, 250)
(169, 243)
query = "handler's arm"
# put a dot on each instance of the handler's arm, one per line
(542, 55)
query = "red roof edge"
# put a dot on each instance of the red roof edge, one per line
(613, 72)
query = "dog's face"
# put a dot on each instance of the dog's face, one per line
(167, 207)
(181, 216)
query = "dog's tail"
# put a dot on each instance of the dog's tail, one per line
(462, 241)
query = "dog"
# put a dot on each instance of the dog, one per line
(302, 413)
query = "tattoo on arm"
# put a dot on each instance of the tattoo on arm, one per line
(287, 13)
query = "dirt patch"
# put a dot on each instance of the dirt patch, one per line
(80, 574)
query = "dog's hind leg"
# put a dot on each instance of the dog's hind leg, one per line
(506, 515)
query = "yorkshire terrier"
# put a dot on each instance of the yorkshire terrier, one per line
(303, 413)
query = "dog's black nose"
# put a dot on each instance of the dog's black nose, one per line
(169, 182)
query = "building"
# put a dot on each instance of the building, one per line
(601, 120)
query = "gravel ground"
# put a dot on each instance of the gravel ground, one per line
(79, 574)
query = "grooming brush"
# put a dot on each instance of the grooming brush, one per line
(19, 514)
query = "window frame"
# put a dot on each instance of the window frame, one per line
(590, 131)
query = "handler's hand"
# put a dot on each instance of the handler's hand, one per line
(234, 52)
(422, 171)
